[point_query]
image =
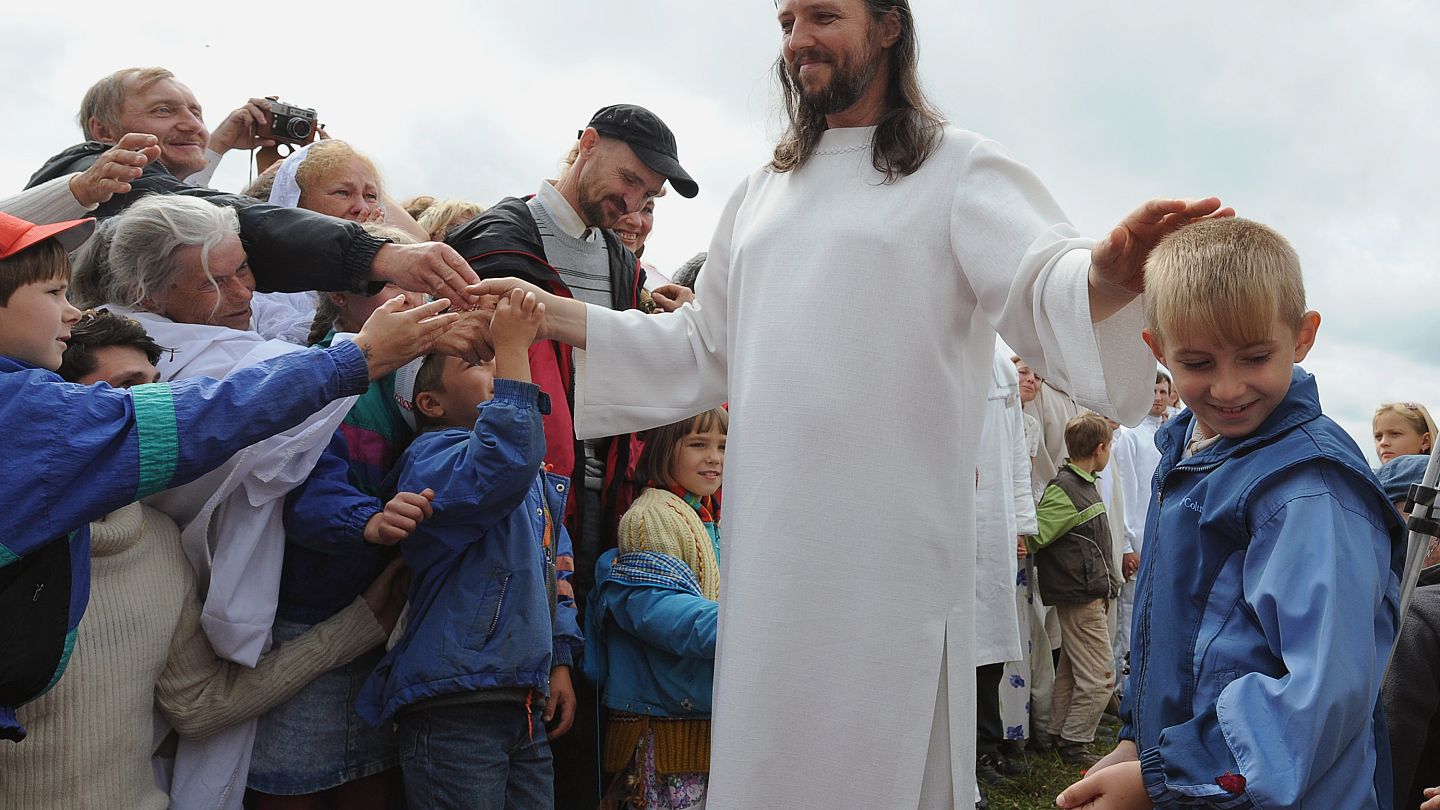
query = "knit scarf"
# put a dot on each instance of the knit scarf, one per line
(664, 522)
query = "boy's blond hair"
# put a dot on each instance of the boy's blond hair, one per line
(1225, 277)
(1085, 433)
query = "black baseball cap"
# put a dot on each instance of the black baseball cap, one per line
(649, 138)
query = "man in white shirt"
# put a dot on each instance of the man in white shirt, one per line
(847, 312)
(1134, 460)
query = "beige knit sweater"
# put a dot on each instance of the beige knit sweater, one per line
(139, 647)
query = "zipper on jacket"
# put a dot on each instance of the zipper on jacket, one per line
(499, 606)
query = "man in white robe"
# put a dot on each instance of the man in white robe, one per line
(847, 313)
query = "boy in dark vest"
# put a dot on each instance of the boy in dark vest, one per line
(1073, 560)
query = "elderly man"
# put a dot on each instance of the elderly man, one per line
(847, 312)
(562, 239)
(146, 137)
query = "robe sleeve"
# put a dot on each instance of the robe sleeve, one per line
(683, 365)
(1029, 270)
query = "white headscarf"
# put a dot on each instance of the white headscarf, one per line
(286, 192)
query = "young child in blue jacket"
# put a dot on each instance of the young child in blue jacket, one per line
(1268, 594)
(75, 453)
(483, 665)
(651, 627)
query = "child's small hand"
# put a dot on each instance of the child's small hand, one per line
(517, 320)
(1117, 787)
(399, 518)
(1125, 751)
(560, 708)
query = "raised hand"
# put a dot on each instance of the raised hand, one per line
(1117, 262)
(238, 130)
(517, 320)
(400, 517)
(393, 336)
(469, 337)
(429, 267)
(112, 172)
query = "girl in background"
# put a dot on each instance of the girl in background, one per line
(651, 626)
(1402, 429)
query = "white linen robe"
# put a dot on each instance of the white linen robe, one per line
(850, 325)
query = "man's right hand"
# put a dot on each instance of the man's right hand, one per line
(112, 172)
(393, 336)
(429, 267)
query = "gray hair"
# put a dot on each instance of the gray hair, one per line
(136, 258)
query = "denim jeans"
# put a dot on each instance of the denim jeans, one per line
(476, 755)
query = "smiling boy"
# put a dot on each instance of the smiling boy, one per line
(1267, 599)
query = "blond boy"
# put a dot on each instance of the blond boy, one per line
(1267, 598)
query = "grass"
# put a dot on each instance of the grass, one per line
(1047, 777)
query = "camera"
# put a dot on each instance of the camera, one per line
(290, 124)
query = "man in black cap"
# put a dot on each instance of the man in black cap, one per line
(560, 239)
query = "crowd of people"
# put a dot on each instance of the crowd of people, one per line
(319, 498)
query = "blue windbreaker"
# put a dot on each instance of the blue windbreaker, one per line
(486, 608)
(1266, 606)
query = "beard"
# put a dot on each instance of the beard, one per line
(848, 81)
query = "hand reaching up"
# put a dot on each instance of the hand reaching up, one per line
(393, 336)
(517, 320)
(399, 518)
(112, 172)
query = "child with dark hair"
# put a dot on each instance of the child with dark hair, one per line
(651, 624)
(483, 664)
(1073, 551)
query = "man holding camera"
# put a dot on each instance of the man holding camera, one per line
(146, 137)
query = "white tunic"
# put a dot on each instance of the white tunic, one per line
(850, 325)
(1003, 510)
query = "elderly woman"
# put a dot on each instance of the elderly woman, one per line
(177, 266)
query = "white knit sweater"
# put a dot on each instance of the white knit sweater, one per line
(139, 647)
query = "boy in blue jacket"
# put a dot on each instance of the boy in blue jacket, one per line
(75, 453)
(484, 663)
(1268, 594)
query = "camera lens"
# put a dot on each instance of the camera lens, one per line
(298, 128)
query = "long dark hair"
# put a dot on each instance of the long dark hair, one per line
(906, 135)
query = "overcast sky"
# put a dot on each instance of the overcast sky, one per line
(1317, 118)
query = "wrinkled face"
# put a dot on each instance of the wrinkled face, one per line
(121, 366)
(1396, 436)
(1029, 383)
(168, 110)
(194, 298)
(1162, 399)
(634, 228)
(36, 321)
(466, 386)
(614, 182)
(831, 49)
(1232, 389)
(350, 192)
(355, 309)
(699, 462)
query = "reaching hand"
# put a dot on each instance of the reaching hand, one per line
(670, 297)
(386, 595)
(391, 337)
(399, 518)
(429, 267)
(1117, 787)
(112, 172)
(469, 338)
(238, 130)
(517, 320)
(560, 708)
(1117, 262)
